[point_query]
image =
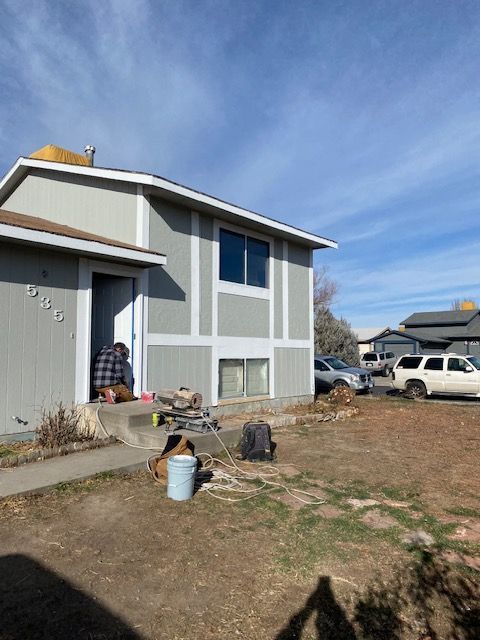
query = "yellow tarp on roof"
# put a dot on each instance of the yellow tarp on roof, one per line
(56, 154)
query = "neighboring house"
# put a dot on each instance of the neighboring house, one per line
(364, 337)
(433, 332)
(205, 294)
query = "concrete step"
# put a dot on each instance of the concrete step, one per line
(132, 422)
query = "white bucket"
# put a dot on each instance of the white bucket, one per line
(181, 477)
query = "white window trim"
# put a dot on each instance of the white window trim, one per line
(285, 307)
(312, 323)
(244, 359)
(86, 268)
(237, 288)
(195, 274)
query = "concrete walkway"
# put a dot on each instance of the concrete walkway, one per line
(39, 477)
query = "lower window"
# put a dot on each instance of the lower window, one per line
(238, 378)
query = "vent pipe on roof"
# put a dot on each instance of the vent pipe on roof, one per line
(89, 152)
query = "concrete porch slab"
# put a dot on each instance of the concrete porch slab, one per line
(131, 422)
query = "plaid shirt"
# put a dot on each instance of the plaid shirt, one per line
(108, 368)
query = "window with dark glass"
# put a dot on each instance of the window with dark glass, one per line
(232, 256)
(257, 258)
(243, 259)
(434, 364)
(409, 362)
(321, 366)
(457, 364)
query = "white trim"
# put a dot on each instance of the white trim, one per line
(84, 323)
(170, 187)
(271, 356)
(83, 340)
(184, 340)
(144, 331)
(271, 267)
(141, 327)
(10, 175)
(195, 274)
(214, 391)
(83, 246)
(215, 277)
(285, 290)
(143, 215)
(312, 328)
(237, 289)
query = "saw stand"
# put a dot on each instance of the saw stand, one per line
(192, 420)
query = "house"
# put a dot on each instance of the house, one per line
(364, 337)
(433, 332)
(205, 294)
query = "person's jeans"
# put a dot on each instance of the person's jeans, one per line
(122, 392)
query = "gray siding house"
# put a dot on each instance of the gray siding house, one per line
(433, 332)
(204, 293)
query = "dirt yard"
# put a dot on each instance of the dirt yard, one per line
(393, 553)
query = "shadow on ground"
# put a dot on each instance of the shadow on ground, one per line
(37, 603)
(426, 601)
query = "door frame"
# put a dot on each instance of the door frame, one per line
(86, 269)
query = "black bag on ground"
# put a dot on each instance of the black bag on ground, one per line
(256, 443)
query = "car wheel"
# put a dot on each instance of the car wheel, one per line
(340, 383)
(386, 372)
(416, 389)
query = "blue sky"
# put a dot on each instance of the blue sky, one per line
(359, 121)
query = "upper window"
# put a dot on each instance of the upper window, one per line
(382, 356)
(243, 259)
(389, 354)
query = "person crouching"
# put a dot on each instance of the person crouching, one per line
(109, 375)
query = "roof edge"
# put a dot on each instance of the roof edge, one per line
(157, 182)
(87, 246)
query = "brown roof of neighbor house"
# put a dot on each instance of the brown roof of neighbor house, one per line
(58, 154)
(40, 224)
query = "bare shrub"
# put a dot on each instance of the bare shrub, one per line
(60, 425)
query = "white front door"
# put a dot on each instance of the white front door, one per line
(112, 314)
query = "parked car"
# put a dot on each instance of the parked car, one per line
(446, 373)
(379, 361)
(330, 372)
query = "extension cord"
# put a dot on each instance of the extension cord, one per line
(215, 480)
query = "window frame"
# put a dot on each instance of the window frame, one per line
(236, 288)
(244, 395)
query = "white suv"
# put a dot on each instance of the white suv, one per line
(447, 373)
(375, 361)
